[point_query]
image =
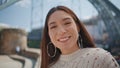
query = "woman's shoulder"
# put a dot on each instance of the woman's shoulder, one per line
(95, 52)
(101, 57)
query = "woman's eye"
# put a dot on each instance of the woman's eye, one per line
(67, 23)
(53, 27)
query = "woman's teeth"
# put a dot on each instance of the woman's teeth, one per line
(64, 39)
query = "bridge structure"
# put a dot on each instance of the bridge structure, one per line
(7, 3)
(110, 14)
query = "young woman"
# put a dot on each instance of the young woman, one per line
(67, 44)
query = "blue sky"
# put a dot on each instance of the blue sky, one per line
(19, 14)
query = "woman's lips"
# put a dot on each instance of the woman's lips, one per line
(64, 39)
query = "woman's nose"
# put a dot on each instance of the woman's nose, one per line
(61, 30)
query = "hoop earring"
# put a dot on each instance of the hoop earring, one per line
(50, 44)
(80, 41)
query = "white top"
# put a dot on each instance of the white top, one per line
(87, 58)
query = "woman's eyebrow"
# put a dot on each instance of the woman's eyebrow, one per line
(67, 18)
(51, 23)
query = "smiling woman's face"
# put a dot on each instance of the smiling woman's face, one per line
(63, 31)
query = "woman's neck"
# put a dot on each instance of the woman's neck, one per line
(70, 50)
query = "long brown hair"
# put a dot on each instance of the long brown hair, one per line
(86, 39)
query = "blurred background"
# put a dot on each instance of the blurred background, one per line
(101, 19)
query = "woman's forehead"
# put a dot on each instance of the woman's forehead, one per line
(59, 15)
